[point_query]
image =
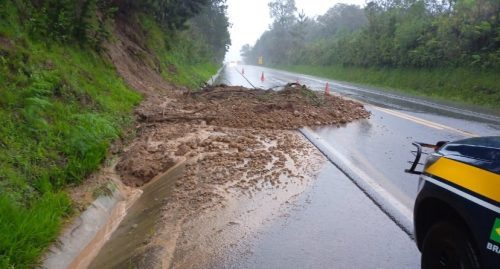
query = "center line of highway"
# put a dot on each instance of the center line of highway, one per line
(424, 122)
(420, 121)
(243, 75)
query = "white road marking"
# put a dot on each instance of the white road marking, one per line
(386, 201)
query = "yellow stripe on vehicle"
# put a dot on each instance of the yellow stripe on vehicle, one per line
(477, 180)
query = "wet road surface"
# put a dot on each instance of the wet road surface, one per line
(333, 225)
(336, 225)
(380, 145)
(356, 214)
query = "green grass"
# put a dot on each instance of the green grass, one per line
(182, 57)
(474, 87)
(26, 231)
(60, 108)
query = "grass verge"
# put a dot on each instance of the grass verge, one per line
(60, 108)
(458, 85)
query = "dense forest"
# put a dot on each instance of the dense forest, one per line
(88, 22)
(385, 33)
(63, 103)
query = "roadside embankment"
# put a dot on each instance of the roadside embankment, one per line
(71, 73)
(61, 106)
(459, 85)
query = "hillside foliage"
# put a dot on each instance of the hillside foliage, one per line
(385, 33)
(62, 103)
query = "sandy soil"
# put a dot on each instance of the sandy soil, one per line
(239, 139)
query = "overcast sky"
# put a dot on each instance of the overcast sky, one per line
(250, 19)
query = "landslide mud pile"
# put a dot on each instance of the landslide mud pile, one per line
(239, 153)
(185, 124)
(293, 107)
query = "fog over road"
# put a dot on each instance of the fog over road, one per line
(337, 224)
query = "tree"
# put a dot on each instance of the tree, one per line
(172, 14)
(342, 19)
(283, 12)
(246, 53)
(212, 24)
(387, 33)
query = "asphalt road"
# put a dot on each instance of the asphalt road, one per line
(381, 145)
(360, 217)
(333, 225)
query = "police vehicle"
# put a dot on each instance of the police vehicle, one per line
(457, 209)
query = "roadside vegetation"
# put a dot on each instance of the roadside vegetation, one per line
(190, 52)
(458, 85)
(62, 103)
(444, 49)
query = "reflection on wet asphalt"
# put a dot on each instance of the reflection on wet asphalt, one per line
(334, 225)
(383, 150)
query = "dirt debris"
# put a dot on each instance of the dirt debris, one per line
(215, 122)
(233, 142)
(242, 161)
(293, 107)
(236, 140)
(226, 145)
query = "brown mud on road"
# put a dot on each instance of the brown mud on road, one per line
(242, 163)
(184, 123)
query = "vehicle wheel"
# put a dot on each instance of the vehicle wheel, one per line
(449, 245)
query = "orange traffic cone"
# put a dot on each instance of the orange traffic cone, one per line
(262, 78)
(242, 71)
(327, 89)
